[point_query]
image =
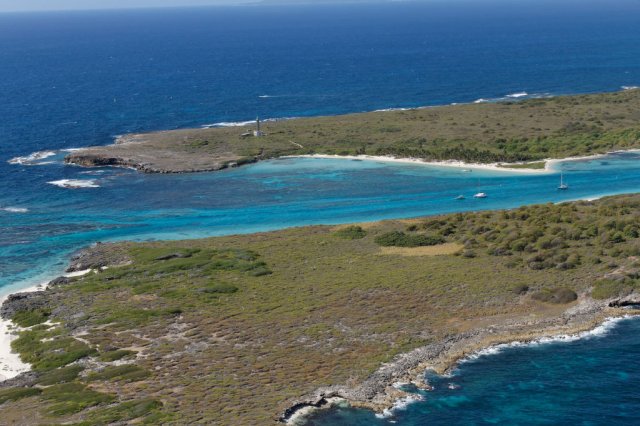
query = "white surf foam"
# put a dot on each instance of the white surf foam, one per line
(400, 404)
(630, 87)
(32, 158)
(393, 109)
(601, 330)
(480, 101)
(14, 209)
(228, 124)
(518, 95)
(74, 183)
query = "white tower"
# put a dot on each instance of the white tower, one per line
(257, 133)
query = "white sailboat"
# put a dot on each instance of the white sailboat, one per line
(563, 186)
(480, 195)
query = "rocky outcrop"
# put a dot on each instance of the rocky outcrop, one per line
(89, 158)
(96, 257)
(18, 302)
(631, 300)
(378, 393)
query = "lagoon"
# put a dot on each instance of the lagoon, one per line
(41, 228)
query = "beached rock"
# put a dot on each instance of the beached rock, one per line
(26, 379)
(19, 302)
(59, 281)
(96, 257)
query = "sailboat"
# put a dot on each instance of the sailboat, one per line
(563, 186)
(480, 194)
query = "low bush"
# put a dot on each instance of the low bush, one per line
(400, 239)
(125, 411)
(14, 394)
(121, 373)
(31, 318)
(220, 288)
(520, 289)
(607, 288)
(60, 375)
(71, 398)
(351, 233)
(557, 296)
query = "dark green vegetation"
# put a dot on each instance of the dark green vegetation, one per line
(401, 239)
(351, 233)
(529, 130)
(230, 330)
(31, 318)
(14, 394)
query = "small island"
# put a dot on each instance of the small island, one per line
(256, 329)
(515, 135)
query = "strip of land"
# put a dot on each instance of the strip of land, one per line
(525, 133)
(249, 329)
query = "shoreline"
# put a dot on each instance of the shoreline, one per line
(450, 354)
(495, 167)
(10, 363)
(551, 164)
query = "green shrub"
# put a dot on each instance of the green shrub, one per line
(121, 373)
(400, 239)
(129, 410)
(606, 289)
(520, 289)
(44, 350)
(220, 288)
(60, 375)
(115, 355)
(31, 318)
(351, 233)
(558, 296)
(14, 394)
(71, 398)
(469, 253)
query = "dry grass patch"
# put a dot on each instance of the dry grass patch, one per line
(439, 250)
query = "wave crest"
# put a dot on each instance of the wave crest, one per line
(33, 158)
(14, 209)
(75, 183)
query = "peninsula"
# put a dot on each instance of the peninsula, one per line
(251, 329)
(525, 132)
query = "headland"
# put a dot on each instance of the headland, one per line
(510, 135)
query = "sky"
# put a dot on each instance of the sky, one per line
(35, 5)
(40, 5)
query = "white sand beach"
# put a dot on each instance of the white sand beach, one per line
(496, 167)
(10, 363)
(551, 164)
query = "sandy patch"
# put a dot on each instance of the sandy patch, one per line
(439, 250)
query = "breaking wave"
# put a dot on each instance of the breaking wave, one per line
(74, 183)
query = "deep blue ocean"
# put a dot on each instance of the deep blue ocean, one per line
(75, 79)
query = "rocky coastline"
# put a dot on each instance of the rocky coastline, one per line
(379, 392)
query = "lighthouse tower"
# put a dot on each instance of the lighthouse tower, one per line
(258, 132)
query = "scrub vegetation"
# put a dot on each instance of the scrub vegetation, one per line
(505, 132)
(230, 330)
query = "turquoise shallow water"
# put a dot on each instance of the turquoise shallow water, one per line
(78, 79)
(265, 196)
(587, 381)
